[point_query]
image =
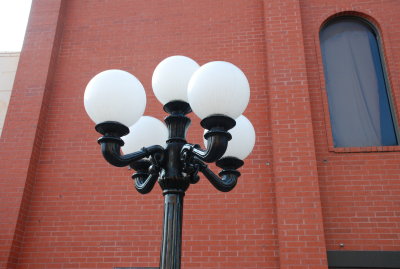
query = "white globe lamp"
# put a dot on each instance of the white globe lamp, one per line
(171, 78)
(115, 95)
(218, 88)
(147, 131)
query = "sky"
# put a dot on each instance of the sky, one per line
(13, 20)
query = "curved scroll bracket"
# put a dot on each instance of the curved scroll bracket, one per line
(228, 177)
(146, 175)
(111, 143)
(217, 139)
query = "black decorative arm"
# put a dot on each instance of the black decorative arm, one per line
(217, 139)
(228, 176)
(111, 143)
(112, 153)
(216, 147)
(227, 181)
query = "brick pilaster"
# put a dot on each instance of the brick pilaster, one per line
(300, 223)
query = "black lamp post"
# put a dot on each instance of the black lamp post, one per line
(166, 156)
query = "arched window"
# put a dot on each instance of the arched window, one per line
(357, 90)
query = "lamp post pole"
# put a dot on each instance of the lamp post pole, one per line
(174, 185)
(177, 163)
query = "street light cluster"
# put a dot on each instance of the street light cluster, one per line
(217, 92)
(216, 88)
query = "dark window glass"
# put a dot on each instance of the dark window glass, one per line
(358, 99)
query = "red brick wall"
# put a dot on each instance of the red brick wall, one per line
(85, 213)
(63, 206)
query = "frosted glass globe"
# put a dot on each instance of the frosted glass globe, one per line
(218, 88)
(147, 131)
(115, 95)
(171, 77)
(243, 139)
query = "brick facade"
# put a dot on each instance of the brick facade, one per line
(63, 206)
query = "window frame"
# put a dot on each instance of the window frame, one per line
(386, 76)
